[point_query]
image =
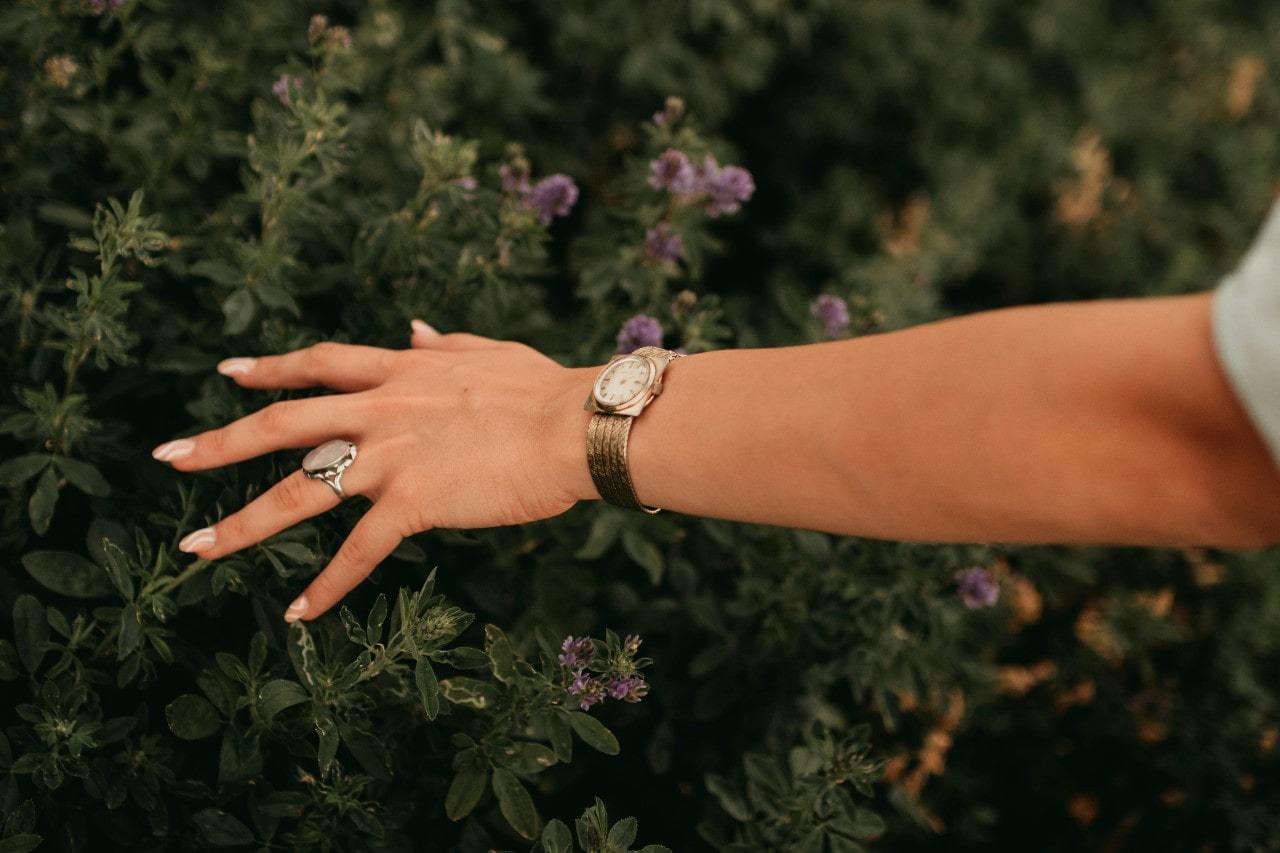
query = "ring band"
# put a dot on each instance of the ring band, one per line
(327, 462)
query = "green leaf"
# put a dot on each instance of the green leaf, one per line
(465, 791)
(604, 532)
(84, 476)
(238, 309)
(67, 574)
(424, 678)
(43, 500)
(560, 736)
(221, 829)
(593, 733)
(515, 803)
(728, 798)
(470, 692)
(22, 468)
(623, 833)
(355, 631)
(30, 631)
(645, 553)
(278, 694)
(130, 630)
(556, 838)
(192, 717)
(501, 660)
(21, 843)
(867, 825)
(327, 743)
(463, 657)
(377, 616)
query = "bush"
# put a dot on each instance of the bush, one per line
(251, 179)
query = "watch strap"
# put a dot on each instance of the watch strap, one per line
(607, 459)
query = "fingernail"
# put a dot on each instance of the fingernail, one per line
(296, 610)
(421, 328)
(174, 450)
(198, 540)
(236, 366)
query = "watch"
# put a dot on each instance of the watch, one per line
(626, 385)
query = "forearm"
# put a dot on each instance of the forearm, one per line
(1099, 422)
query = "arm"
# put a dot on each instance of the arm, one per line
(1101, 422)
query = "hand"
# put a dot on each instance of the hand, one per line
(458, 432)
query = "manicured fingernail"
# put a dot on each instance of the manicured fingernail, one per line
(296, 610)
(174, 450)
(421, 328)
(236, 366)
(198, 540)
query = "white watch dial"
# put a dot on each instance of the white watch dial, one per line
(622, 381)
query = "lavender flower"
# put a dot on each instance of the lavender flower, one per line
(977, 588)
(662, 246)
(631, 689)
(577, 653)
(281, 87)
(834, 314)
(588, 689)
(670, 113)
(673, 171)
(553, 197)
(639, 331)
(726, 187)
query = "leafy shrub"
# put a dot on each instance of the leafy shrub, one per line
(248, 179)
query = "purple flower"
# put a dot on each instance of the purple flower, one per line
(726, 187)
(281, 87)
(640, 331)
(632, 688)
(553, 197)
(588, 689)
(977, 588)
(466, 182)
(514, 180)
(662, 246)
(577, 653)
(834, 314)
(673, 171)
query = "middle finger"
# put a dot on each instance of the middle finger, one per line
(287, 425)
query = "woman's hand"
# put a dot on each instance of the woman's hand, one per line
(457, 432)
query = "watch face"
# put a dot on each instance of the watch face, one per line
(622, 381)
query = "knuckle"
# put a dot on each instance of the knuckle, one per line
(291, 497)
(315, 358)
(213, 442)
(275, 418)
(354, 554)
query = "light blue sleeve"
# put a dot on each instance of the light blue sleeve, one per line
(1246, 331)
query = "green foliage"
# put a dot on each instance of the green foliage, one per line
(187, 184)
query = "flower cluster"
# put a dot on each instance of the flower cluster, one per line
(721, 189)
(552, 196)
(285, 85)
(320, 34)
(594, 677)
(834, 314)
(977, 588)
(639, 331)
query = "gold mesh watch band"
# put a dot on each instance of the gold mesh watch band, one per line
(607, 436)
(607, 459)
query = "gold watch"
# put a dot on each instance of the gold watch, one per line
(624, 387)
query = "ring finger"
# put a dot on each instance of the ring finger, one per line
(290, 501)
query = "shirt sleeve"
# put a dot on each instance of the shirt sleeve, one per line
(1246, 331)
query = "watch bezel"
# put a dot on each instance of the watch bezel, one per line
(651, 372)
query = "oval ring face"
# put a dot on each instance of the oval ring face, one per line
(326, 455)
(624, 380)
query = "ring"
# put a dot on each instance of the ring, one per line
(327, 462)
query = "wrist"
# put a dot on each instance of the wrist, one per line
(567, 446)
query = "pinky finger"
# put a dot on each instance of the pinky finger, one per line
(370, 542)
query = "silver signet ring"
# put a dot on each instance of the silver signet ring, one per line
(327, 462)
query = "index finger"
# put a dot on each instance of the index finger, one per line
(342, 367)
